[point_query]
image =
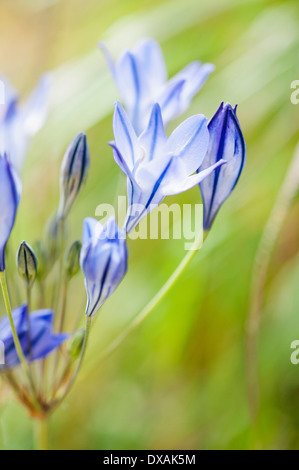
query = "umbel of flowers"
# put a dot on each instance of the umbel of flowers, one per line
(42, 360)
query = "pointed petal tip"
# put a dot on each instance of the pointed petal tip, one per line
(82, 135)
(102, 45)
(229, 107)
(156, 107)
(119, 107)
(209, 66)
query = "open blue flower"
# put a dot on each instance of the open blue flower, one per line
(141, 78)
(157, 166)
(103, 261)
(10, 193)
(226, 142)
(37, 341)
(19, 123)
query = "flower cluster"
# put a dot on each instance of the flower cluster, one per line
(210, 154)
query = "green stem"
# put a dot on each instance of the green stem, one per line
(59, 251)
(262, 260)
(60, 328)
(63, 308)
(78, 367)
(28, 294)
(156, 299)
(13, 329)
(41, 434)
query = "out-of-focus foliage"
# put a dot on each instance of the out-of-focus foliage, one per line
(179, 380)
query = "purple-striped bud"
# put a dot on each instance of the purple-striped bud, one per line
(74, 170)
(226, 143)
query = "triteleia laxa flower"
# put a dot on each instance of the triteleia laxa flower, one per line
(18, 123)
(157, 166)
(141, 78)
(37, 339)
(73, 174)
(103, 261)
(10, 193)
(226, 142)
(27, 263)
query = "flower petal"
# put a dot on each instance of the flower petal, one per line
(190, 141)
(90, 227)
(9, 200)
(109, 59)
(104, 265)
(195, 75)
(125, 137)
(35, 110)
(152, 177)
(132, 85)
(170, 100)
(45, 315)
(10, 97)
(149, 55)
(19, 318)
(179, 185)
(153, 139)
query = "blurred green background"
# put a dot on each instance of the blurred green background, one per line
(179, 380)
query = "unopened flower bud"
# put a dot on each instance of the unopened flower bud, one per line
(103, 259)
(73, 173)
(27, 263)
(226, 143)
(73, 260)
(76, 343)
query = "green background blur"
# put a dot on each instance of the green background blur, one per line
(179, 380)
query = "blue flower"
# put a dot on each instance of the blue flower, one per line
(37, 341)
(10, 193)
(141, 78)
(226, 142)
(103, 261)
(19, 123)
(157, 166)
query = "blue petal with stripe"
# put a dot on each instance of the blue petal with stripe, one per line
(160, 167)
(141, 78)
(103, 261)
(18, 123)
(226, 142)
(10, 192)
(37, 339)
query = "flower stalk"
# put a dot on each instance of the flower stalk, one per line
(42, 433)
(14, 333)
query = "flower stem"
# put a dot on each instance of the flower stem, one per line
(28, 294)
(78, 367)
(155, 300)
(63, 308)
(41, 434)
(259, 277)
(14, 332)
(59, 250)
